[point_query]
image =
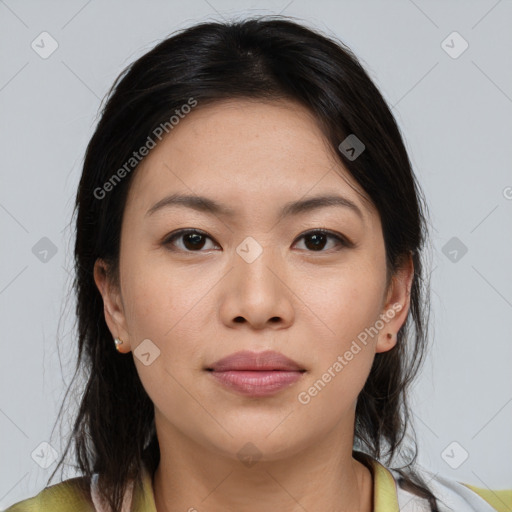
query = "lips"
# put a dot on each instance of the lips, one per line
(256, 374)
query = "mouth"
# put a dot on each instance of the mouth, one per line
(256, 374)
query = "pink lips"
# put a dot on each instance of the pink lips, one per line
(256, 374)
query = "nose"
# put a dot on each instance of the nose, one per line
(257, 294)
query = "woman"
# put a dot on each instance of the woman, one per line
(249, 238)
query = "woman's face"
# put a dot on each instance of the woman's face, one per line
(255, 275)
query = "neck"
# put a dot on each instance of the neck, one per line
(323, 477)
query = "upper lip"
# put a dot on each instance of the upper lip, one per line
(255, 361)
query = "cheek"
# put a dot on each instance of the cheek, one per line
(343, 309)
(166, 305)
(342, 303)
(333, 390)
(161, 299)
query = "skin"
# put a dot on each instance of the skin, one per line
(199, 305)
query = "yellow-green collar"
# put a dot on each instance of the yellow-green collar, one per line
(384, 490)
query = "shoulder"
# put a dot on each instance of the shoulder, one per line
(454, 496)
(72, 494)
(501, 500)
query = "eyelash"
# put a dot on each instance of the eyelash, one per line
(343, 241)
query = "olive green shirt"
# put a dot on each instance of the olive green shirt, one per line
(388, 496)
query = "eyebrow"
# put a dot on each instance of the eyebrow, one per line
(207, 205)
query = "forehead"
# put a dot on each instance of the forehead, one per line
(245, 152)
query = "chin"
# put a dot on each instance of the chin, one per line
(254, 443)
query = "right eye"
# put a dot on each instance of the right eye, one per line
(193, 240)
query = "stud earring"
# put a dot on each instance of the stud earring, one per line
(118, 342)
(389, 335)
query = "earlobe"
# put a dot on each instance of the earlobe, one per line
(112, 305)
(386, 342)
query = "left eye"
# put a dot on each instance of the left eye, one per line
(194, 240)
(317, 239)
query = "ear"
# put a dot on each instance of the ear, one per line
(396, 305)
(112, 305)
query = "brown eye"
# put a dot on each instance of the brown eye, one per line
(193, 240)
(316, 241)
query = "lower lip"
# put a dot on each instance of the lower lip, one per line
(257, 383)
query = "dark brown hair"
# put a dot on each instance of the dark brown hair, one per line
(267, 58)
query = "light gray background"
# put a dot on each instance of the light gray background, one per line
(456, 116)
